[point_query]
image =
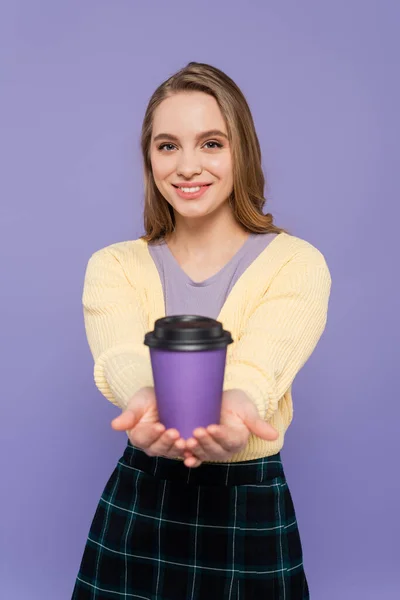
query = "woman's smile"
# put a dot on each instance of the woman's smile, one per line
(191, 192)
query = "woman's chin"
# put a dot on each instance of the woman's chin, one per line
(192, 210)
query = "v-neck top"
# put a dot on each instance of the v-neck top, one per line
(182, 295)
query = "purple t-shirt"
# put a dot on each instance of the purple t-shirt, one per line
(184, 296)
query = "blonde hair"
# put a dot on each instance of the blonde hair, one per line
(247, 199)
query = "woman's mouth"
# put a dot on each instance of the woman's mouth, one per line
(191, 192)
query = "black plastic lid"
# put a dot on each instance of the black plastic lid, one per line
(187, 333)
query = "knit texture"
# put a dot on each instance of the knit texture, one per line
(276, 313)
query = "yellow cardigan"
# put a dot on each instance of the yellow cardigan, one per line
(276, 313)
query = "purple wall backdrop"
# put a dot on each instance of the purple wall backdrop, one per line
(322, 81)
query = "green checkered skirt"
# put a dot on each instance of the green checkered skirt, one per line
(162, 531)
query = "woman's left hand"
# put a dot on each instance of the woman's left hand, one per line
(239, 418)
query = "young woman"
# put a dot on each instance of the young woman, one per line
(209, 517)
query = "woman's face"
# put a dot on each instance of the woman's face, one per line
(189, 146)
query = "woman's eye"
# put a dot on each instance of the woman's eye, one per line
(216, 145)
(209, 145)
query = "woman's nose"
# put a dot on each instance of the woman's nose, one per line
(189, 164)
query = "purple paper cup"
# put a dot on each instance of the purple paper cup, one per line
(188, 357)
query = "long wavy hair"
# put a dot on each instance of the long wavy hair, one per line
(247, 199)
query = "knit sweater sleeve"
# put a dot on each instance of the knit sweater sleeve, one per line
(282, 331)
(115, 326)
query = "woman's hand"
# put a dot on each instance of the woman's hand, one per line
(239, 418)
(140, 419)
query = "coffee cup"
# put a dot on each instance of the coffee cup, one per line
(188, 357)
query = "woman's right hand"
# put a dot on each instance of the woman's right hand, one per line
(141, 421)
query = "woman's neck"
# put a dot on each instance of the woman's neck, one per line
(207, 237)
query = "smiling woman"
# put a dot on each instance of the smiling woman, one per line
(191, 189)
(209, 517)
(193, 158)
(197, 130)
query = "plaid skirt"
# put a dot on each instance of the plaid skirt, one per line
(163, 531)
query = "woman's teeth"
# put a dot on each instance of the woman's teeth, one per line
(190, 190)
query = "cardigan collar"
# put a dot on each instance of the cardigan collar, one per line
(245, 281)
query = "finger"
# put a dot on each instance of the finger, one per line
(212, 449)
(230, 438)
(192, 462)
(181, 450)
(146, 434)
(126, 420)
(165, 445)
(261, 428)
(196, 449)
(188, 454)
(180, 445)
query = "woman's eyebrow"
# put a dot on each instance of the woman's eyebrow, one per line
(199, 136)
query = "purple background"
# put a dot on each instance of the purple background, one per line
(322, 82)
